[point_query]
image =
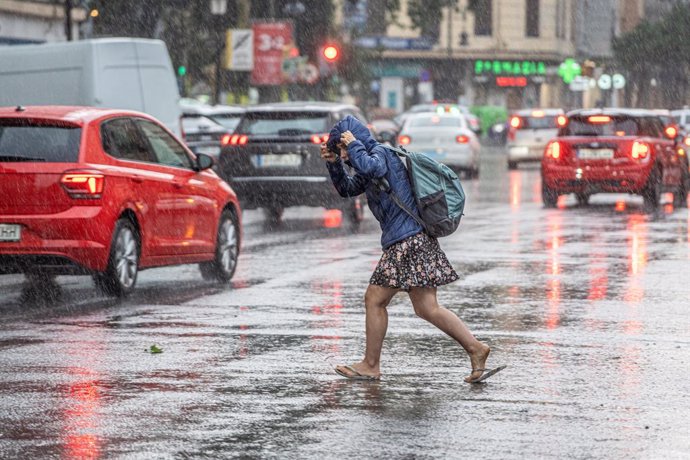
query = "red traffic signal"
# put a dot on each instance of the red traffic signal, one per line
(331, 53)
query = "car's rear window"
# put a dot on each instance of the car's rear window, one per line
(284, 123)
(435, 121)
(602, 125)
(229, 121)
(21, 140)
(545, 122)
(196, 123)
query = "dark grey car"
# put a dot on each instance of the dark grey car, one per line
(273, 160)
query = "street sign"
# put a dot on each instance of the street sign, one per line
(579, 83)
(239, 49)
(270, 41)
(618, 81)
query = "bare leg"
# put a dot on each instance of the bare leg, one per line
(426, 307)
(376, 300)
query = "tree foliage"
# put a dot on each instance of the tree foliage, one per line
(659, 51)
(426, 15)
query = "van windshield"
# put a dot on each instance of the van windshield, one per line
(284, 123)
(32, 142)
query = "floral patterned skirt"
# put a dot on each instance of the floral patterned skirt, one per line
(417, 261)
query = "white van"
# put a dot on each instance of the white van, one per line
(118, 73)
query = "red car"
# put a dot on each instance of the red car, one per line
(614, 151)
(108, 193)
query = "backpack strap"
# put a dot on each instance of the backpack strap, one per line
(383, 185)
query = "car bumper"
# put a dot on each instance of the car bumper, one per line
(521, 153)
(574, 179)
(285, 191)
(66, 242)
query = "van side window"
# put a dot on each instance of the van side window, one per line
(166, 149)
(122, 139)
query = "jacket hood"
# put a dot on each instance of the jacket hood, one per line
(356, 127)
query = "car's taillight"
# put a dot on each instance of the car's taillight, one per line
(561, 121)
(404, 139)
(516, 122)
(462, 139)
(639, 151)
(318, 139)
(235, 139)
(553, 150)
(83, 184)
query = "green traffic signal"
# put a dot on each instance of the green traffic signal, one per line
(181, 71)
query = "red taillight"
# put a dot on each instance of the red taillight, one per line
(462, 139)
(561, 121)
(639, 151)
(235, 139)
(83, 184)
(516, 122)
(318, 139)
(404, 140)
(553, 150)
(599, 119)
(671, 132)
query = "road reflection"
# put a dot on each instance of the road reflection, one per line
(637, 228)
(554, 223)
(327, 316)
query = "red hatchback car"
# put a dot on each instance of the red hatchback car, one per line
(108, 193)
(614, 151)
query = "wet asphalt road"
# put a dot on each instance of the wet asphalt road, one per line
(588, 307)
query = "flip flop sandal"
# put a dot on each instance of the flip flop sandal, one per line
(356, 375)
(486, 373)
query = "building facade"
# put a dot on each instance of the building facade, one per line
(23, 22)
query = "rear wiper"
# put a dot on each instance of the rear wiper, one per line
(17, 158)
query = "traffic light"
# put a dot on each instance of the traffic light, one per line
(181, 71)
(330, 53)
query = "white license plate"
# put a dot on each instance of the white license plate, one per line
(10, 232)
(286, 160)
(595, 154)
(211, 150)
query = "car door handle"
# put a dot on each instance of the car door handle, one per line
(138, 179)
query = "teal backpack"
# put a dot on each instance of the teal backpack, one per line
(437, 191)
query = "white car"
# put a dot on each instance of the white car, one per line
(682, 117)
(529, 131)
(445, 137)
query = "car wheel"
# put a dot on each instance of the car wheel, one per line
(652, 191)
(548, 196)
(121, 273)
(274, 214)
(680, 197)
(512, 165)
(224, 263)
(582, 199)
(354, 211)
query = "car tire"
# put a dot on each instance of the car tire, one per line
(120, 276)
(651, 194)
(222, 267)
(512, 165)
(274, 214)
(548, 196)
(680, 196)
(582, 199)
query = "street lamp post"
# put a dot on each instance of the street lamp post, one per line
(218, 9)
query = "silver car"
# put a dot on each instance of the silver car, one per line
(445, 137)
(528, 134)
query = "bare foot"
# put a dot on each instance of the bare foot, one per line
(360, 369)
(478, 360)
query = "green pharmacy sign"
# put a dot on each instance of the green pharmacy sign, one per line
(568, 70)
(498, 67)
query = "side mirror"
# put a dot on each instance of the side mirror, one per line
(203, 162)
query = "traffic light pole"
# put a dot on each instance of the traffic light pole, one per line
(68, 19)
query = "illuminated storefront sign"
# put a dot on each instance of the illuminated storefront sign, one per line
(498, 67)
(508, 82)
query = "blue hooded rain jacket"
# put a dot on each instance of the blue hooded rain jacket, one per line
(370, 160)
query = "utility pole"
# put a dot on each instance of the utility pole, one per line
(68, 19)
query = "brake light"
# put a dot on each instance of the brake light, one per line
(83, 184)
(686, 141)
(462, 139)
(538, 114)
(404, 140)
(516, 122)
(671, 132)
(639, 151)
(553, 150)
(235, 139)
(599, 119)
(562, 121)
(318, 139)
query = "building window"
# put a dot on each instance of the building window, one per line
(532, 14)
(482, 17)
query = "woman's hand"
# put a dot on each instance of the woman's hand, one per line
(327, 154)
(347, 137)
